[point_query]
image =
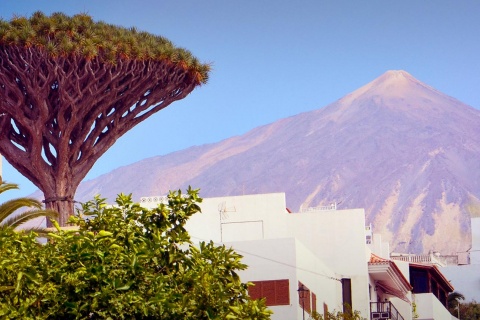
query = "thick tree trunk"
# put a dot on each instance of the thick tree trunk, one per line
(60, 196)
(63, 205)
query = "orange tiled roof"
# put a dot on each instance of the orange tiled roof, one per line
(376, 259)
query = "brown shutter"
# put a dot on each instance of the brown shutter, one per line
(275, 292)
(269, 292)
(308, 305)
(255, 291)
(282, 290)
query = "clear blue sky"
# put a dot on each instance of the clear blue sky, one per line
(275, 58)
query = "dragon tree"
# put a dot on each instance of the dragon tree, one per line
(70, 87)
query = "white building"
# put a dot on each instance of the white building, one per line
(466, 278)
(316, 260)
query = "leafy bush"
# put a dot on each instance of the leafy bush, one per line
(468, 310)
(126, 263)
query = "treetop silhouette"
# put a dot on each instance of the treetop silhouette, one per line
(70, 87)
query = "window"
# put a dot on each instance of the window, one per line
(434, 286)
(443, 297)
(276, 292)
(419, 279)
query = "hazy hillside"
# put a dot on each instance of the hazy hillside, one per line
(405, 152)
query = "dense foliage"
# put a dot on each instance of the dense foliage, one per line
(469, 310)
(126, 263)
(463, 310)
(10, 218)
(62, 35)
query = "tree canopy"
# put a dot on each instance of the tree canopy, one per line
(463, 310)
(126, 263)
(62, 36)
(70, 87)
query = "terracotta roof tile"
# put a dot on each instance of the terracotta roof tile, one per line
(376, 259)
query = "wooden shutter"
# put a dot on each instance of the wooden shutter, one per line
(275, 292)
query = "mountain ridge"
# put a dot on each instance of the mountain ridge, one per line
(397, 147)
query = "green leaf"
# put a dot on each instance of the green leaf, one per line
(54, 235)
(104, 234)
(125, 287)
(6, 288)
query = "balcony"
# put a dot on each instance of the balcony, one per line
(428, 307)
(427, 259)
(384, 311)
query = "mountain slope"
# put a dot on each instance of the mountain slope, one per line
(402, 150)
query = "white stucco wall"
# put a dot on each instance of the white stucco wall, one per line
(271, 260)
(338, 238)
(319, 278)
(475, 250)
(287, 258)
(465, 279)
(405, 308)
(429, 308)
(379, 247)
(250, 217)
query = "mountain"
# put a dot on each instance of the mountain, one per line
(397, 147)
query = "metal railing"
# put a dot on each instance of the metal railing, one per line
(332, 206)
(384, 310)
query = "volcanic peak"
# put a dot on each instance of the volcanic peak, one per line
(394, 84)
(395, 79)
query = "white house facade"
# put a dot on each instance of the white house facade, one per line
(315, 260)
(466, 278)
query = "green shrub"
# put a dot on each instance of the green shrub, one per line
(126, 263)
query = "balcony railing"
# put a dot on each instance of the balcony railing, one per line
(384, 311)
(332, 206)
(428, 259)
